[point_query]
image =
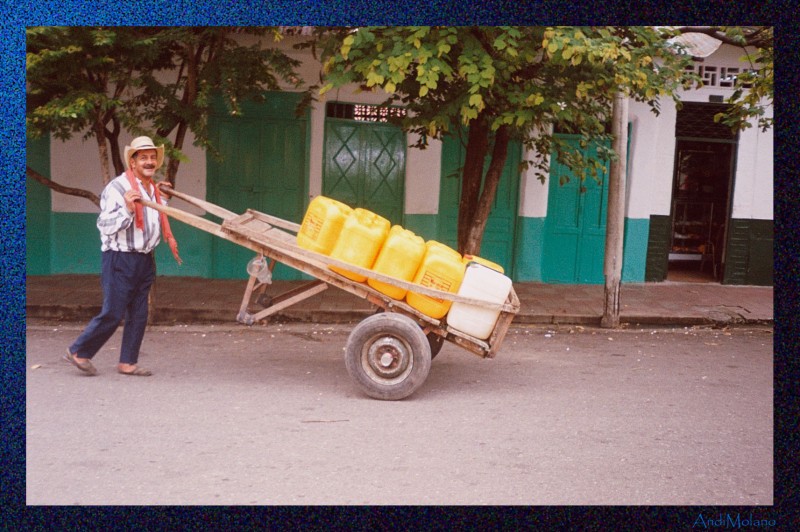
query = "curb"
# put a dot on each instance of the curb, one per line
(170, 316)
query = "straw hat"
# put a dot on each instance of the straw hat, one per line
(144, 143)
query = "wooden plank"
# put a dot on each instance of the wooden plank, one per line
(210, 208)
(501, 327)
(277, 222)
(291, 297)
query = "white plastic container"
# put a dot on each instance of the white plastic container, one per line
(486, 284)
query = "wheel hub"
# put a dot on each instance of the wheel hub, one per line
(388, 357)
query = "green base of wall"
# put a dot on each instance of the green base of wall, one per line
(750, 253)
(635, 250)
(529, 252)
(658, 249)
(76, 249)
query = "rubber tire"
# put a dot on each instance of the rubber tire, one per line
(396, 339)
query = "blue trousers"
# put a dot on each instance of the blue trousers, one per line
(126, 279)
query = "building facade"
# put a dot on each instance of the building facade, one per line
(699, 199)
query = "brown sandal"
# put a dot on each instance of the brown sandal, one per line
(86, 367)
(137, 372)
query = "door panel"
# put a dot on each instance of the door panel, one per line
(499, 233)
(263, 168)
(364, 166)
(575, 228)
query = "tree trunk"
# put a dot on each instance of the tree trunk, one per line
(471, 178)
(615, 223)
(102, 148)
(484, 208)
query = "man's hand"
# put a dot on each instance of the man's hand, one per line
(165, 187)
(130, 197)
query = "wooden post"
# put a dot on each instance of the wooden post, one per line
(615, 223)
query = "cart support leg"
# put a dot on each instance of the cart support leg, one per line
(280, 302)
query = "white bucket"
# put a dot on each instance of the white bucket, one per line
(486, 284)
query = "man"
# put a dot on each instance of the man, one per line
(129, 232)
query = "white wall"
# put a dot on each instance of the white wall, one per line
(753, 189)
(533, 193)
(76, 163)
(651, 160)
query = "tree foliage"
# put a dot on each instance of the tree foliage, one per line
(753, 89)
(161, 82)
(506, 83)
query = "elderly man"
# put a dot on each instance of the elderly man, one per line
(129, 232)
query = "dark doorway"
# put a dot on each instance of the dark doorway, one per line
(701, 196)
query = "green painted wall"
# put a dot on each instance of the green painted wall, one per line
(658, 242)
(529, 252)
(634, 259)
(38, 232)
(749, 253)
(76, 243)
(76, 249)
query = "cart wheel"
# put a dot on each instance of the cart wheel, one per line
(388, 356)
(434, 340)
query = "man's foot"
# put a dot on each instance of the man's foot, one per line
(134, 370)
(83, 364)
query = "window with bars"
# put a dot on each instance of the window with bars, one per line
(363, 112)
(697, 120)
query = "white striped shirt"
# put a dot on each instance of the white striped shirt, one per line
(118, 232)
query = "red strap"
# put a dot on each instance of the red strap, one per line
(139, 216)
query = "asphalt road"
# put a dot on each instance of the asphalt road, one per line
(269, 416)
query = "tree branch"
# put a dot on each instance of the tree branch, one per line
(757, 37)
(52, 185)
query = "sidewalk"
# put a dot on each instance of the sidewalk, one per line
(198, 300)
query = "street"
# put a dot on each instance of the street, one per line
(267, 415)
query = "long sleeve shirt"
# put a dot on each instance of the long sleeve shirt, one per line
(118, 232)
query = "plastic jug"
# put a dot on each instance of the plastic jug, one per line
(400, 257)
(485, 262)
(487, 284)
(442, 268)
(360, 241)
(322, 224)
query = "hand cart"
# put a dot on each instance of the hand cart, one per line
(389, 353)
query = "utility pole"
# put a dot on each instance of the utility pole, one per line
(615, 222)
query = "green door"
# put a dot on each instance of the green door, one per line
(365, 165)
(575, 228)
(263, 168)
(498, 237)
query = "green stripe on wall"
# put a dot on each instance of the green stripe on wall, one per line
(750, 253)
(634, 259)
(528, 252)
(76, 248)
(658, 248)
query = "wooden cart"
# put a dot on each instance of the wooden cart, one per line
(387, 354)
